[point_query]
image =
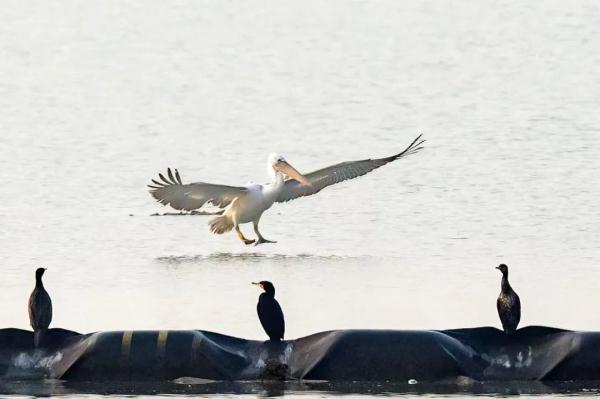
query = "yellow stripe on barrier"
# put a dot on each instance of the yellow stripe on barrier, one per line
(126, 343)
(161, 342)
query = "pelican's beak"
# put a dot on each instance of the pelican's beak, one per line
(291, 172)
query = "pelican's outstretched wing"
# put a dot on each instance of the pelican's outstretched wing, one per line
(171, 191)
(340, 172)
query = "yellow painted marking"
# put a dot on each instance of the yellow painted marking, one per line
(126, 343)
(161, 342)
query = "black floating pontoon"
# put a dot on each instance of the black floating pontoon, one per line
(482, 354)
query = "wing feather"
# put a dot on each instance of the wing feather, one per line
(171, 191)
(340, 172)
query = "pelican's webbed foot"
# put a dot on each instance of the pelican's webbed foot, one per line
(262, 240)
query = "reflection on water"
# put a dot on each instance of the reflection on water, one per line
(190, 386)
(228, 257)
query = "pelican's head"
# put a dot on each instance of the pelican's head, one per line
(278, 165)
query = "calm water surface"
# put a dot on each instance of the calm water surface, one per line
(95, 99)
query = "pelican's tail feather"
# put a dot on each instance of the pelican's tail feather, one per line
(220, 224)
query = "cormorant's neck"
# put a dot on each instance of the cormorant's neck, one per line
(270, 294)
(505, 284)
(38, 282)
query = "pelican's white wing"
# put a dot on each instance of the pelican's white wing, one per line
(171, 191)
(340, 172)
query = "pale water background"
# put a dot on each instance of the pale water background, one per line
(96, 98)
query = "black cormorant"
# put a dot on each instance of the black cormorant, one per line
(509, 305)
(40, 308)
(269, 312)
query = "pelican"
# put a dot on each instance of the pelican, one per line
(245, 204)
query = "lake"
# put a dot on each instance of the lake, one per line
(97, 98)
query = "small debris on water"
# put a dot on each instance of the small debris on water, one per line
(412, 382)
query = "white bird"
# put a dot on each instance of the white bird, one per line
(246, 204)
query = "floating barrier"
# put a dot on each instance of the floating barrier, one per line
(481, 354)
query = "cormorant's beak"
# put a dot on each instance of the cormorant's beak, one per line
(291, 172)
(259, 284)
(497, 267)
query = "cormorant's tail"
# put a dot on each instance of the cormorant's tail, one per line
(220, 224)
(38, 336)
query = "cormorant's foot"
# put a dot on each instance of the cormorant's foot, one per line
(248, 242)
(275, 370)
(264, 241)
